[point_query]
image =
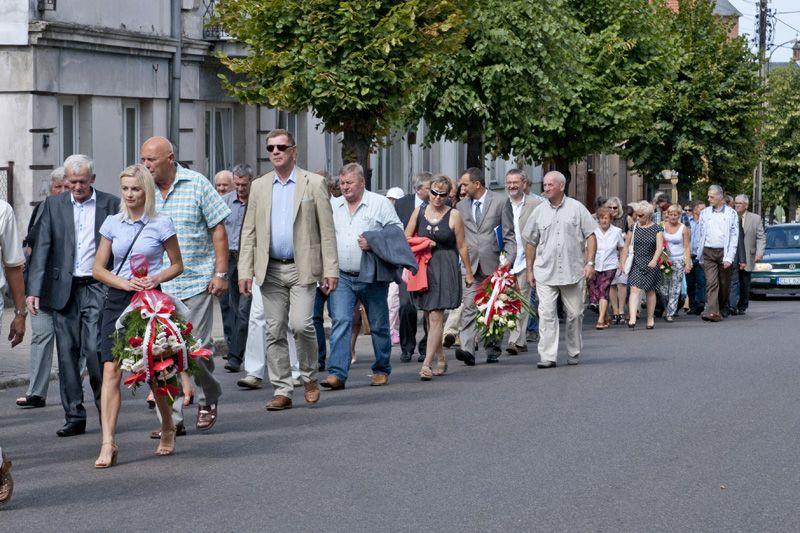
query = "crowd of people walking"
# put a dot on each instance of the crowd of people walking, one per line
(277, 250)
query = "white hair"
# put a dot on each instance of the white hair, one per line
(77, 162)
(716, 189)
(743, 197)
(558, 176)
(57, 175)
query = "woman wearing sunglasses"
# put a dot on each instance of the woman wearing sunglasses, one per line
(444, 227)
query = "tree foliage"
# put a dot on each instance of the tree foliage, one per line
(356, 63)
(510, 84)
(781, 185)
(707, 123)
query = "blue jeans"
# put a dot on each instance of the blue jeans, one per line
(696, 285)
(340, 306)
(319, 327)
(533, 320)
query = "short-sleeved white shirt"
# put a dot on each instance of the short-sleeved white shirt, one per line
(10, 242)
(608, 245)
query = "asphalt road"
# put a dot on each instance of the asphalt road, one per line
(689, 427)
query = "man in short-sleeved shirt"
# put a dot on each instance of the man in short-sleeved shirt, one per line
(198, 212)
(559, 237)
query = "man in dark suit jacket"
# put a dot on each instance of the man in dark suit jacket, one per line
(61, 281)
(408, 311)
(483, 211)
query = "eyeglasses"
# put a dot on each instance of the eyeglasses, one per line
(614, 207)
(437, 193)
(280, 147)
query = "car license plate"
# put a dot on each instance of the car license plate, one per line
(789, 281)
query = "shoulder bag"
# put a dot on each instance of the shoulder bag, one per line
(629, 258)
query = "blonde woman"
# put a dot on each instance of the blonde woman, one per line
(136, 230)
(619, 285)
(647, 239)
(678, 240)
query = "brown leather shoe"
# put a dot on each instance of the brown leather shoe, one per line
(312, 391)
(6, 481)
(379, 380)
(332, 383)
(206, 416)
(279, 403)
(714, 317)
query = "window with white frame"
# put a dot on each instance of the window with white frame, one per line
(219, 139)
(130, 129)
(68, 126)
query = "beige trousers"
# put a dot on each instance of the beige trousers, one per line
(287, 304)
(571, 296)
(517, 337)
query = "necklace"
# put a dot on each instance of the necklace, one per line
(433, 225)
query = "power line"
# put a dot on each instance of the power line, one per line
(787, 24)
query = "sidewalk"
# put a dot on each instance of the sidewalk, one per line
(14, 361)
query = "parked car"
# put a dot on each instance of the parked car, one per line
(779, 271)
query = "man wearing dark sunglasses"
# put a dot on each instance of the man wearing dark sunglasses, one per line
(288, 242)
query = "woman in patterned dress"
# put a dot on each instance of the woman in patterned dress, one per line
(644, 275)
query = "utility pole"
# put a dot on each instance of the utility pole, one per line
(763, 15)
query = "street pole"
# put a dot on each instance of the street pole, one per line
(762, 71)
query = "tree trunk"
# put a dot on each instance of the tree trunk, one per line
(771, 214)
(355, 149)
(562, 165)
(791, 214)
(475, 153)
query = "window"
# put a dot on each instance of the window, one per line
(130, 119)
(286, 121)
(68, 127)
(219, 139)
(329, 152)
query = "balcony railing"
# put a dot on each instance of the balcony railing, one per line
(212, 32)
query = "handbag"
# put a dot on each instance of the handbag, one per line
(629, 257)
(119, 268)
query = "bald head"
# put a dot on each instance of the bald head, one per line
(159, 158)
(223, 181)
(553, 186)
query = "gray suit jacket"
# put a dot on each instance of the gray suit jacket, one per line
(53, 255)
(530, 204)
(481, 239)
(754, 239)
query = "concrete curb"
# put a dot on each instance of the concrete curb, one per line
(22, 380)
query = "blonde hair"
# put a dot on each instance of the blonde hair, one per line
(614, 200)
(645, 208)
(145, 180)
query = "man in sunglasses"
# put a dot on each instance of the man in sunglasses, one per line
(288, 243)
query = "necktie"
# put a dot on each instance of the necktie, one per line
(478, 214)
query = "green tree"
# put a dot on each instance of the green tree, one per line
(357, 64)
(706, 126)
(627, 57)
(781, 133)
(509, 83)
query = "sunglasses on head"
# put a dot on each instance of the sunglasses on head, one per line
(437, 193)
(280, 147)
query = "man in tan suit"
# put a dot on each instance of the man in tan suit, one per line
(519, 207)
(288, 243)
(754, 244)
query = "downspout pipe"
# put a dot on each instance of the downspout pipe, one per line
(175, 87)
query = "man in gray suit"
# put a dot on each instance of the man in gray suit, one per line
(754, 244)
(482, 211)
(61, 281)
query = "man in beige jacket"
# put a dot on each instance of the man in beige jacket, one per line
(754, 244)
(288, 243)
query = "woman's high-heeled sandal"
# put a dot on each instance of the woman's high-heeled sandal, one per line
(111, 462)
(441, 368)
(164, 448)
(425, 373)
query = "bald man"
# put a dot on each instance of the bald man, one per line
(223, 182)
(198, 212)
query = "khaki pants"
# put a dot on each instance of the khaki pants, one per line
(517, 336)
(717, 280)
(571, 296)
(287, 304)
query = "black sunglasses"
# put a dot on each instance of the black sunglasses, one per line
(280, 147)
(437, 193)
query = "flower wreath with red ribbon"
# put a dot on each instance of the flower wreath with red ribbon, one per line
(499, 303)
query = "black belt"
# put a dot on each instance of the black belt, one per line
(351, 274)
(289, 261)
(81, 281)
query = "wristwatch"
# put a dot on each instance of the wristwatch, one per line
(221, 275)
(590, 263)
(21, 312)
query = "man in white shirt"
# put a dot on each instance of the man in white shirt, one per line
(521, 206)
(354, 213)
(717, 240)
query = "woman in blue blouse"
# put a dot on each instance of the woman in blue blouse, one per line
(157, 235)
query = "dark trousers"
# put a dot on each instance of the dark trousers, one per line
(717, 280)
(408, 325)
(744, 290)
(696, 285)
(238, 311)
(319, 327)
(77, 328)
